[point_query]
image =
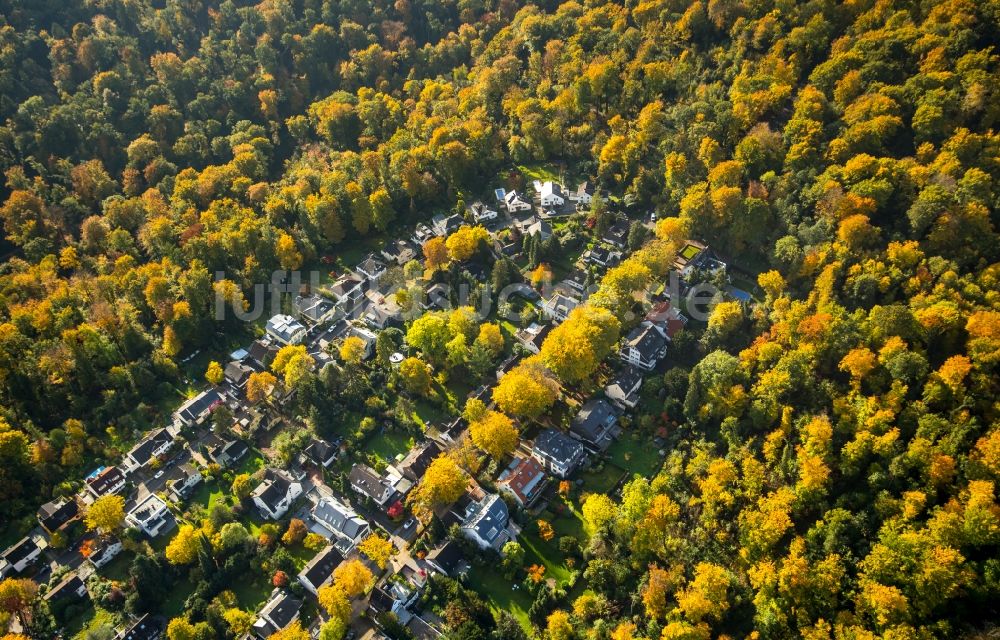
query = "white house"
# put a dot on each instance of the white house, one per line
(515, 202)
(481, 213)
(371, 269)
(286, 329)
(103, 551)
(584, 193)
(281, 610)
(487, 523)
(558, 307)
(151, 447)
(275, 494)
(366, 482)
(558, 453)
(644, 346)
(18, 557)
(345, 526)
(623, 390)
(551, 194)
(151, 516)
(314, 308)
(104, 481)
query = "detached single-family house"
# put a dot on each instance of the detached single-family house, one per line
(532, 336)
(481, 213)
(413, 466)
(103, 550)
(319, 571)
(369, 484)
(584, 193)
(623, 390)
(595, 425)
(524, 480)
(286, 329)
(400, 252)
(602, 257)
(145, 628)
(540, 228)
(558, 307)
(617, 234)
(487, 523)
(281, 610)
(371, 269)
(105, 481)
(644, 346)
(438, 297)
(383, 312)
(55, 515)
(422, 233)
(19, 556)
(696, 255)
(151, 447)
(397, 594)
(446, 225)
(237, 373)
(195, 411)
(514, 202)
(314, 308)
(367, 337)
(446, 559)
(320, 452)
(183, 486)
(577, 280)
(667, 318)
(151, 516)
(275, 494)
(349, 290)
(558, 453)
(260, 354)
(346, 527)
(70, 588)
(227, 453)
(506, 366)
(551, 194)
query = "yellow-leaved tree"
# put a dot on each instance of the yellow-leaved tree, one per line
(495, 434)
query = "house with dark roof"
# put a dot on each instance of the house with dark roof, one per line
(237, 373)
(319, 571)
(19, 556)
(551, 194)
(623, 389)
(281, 610)
(532, 336)
(151, 516)
(314, 309)
(275, 494)
(285, 329)
(400, 251)
(558, 307)
(438, 297)
(514, 202)
(227, 453)
(602, 257)
(417, 460)
(347, 529)
(397, 594)
(55, 515)
(185, 484)
(105, 481)
(524, 480)
(369, 484)
(348, 289)
(644, 346)
(540, 228)
(195, 411)
(382, 312)
(506, 366)
(446, 225)
(584, 193)
(577, 280)
(70, 588)
(366, 336)
(595, 425)
(260, 354)
(558, 453)
(144, 628)
(481, 213)
(103, 550)
(447, 559)
(422, 233)
(371, 269)
(487, 523)
(617, 234)
(149, 448)
(320, 452)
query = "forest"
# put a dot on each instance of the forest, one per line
(833, 468)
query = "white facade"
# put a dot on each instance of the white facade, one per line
(151, 516)
(551, 194)
(286, 329)
(515, 202)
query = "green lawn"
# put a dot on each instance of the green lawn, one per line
(602, 481)
(117, 569)
(173, 606)
(636, 455)
(91, 619)
(428, 413)
(252, 593)
(389, 444)
(547, 554)
(209, 494)
(500, 593)
(541, 172)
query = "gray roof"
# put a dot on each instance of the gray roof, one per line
(489, 519)
(418, 459)
(273, 488)
(447, 556)
(237, 372)
(55, 514)
(594, 419)
(366, 481)
(339, 517)
(193, 409)
(67, 588)
(20, 550)
(627, 379)
(647, 340)
(143, 451)
(557, 445)
(320, 568)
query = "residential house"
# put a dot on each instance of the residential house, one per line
(151, 447)
(644, 346)
(551, 194)
(532, 336)
(540, 228)
(195, 411)
(514, 202)
(144, 628)
(595, 425)
(558, 307)
(506, 366)
(602, 257)
(617, 234)
(286, 329)
(444, 226)
(70, 588)
(314, 309)
(487, 523)
(55, 515)
(446, 559)
(320, 452)
(438, 297)
(345, 526)
(184, 485)
(226, 453)
(577, 281)
(237, 373)
(19, 556)
(367, 337)
(275, 494)
(371, 269)
(281, 610)
(481, 213)
(558, 453)
(524, 480)
(417, 460)
(583, 195)
(383, 312)
(400, 252)
(623, 390)
(105, 481)
(397, 594)
(667, 318)
(151, 516)
(422, 233)
(349, 290)
(369, 484)
(103, 550)
(260, 354)
(318, 572)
